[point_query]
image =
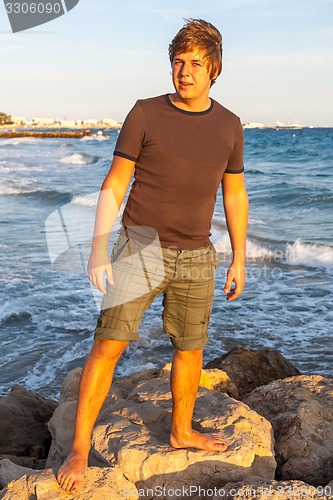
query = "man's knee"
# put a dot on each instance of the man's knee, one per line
(108, 348)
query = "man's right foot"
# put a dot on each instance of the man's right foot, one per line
(71, 473)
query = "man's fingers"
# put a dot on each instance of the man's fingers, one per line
(227, 286)
(96, 278)
(233, 294)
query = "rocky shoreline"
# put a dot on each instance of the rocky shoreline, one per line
(277, 422)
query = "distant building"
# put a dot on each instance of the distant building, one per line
(91, 123)
(43, 121)
(19, 120)
(68, 123)
(111, 122)
(52, 122)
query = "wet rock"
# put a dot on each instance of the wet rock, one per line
(300, 410)
(248, 368)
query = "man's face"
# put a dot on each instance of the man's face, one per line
(190, 76)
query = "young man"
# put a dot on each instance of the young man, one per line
(181, 148)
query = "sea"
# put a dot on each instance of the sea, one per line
(48, 312)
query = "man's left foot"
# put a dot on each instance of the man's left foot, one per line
(194, 439)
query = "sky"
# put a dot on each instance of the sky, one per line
(99, 58)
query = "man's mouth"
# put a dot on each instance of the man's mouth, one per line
(185, 84)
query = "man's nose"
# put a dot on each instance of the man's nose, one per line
(185, 69)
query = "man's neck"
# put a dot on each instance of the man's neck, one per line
(189, 104)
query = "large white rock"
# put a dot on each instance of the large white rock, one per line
(99, 484)
(133, 428)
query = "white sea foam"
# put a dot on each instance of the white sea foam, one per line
(20, 140)
(258, 252)
(294, 254)
(7, 190)
(256, 221)
(79, 159)
(309, 255)
(96, 137)
(253, 250)
(46, 370)
(86, 201)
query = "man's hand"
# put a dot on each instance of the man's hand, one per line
(236, 275)
(98, 264)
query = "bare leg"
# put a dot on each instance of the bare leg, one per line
(95, 384)
(185, 377)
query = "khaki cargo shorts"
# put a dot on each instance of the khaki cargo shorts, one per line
(141, 272)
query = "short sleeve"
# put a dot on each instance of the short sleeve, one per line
(236, 159)
(130, 140)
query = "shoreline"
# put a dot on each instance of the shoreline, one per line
(52, 131)
(86, 126)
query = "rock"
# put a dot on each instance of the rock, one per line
(10, 472)
(99, 484)
(29, 462)
(133, 428)
(249, 369)
(275, 490)
(300, 410)
(60, 134)
(23, 429)
(69, 391)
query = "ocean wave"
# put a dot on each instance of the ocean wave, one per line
(16, 317)
(86, 201)
(99, 136)
(254, 251)
(48, 195)
(294, 254)
(48, 372)
(309, 255)
(79, 159)
(20, 140)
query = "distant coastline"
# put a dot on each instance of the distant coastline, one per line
(107, 124)
(21, 122)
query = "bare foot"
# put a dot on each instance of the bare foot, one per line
(194, 439)
(71, 473)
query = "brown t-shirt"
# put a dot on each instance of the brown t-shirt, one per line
(180, 157)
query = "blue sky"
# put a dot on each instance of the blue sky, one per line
(99, 58)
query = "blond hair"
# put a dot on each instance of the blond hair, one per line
(202, 36)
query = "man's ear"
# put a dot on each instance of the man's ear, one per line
(214, 76)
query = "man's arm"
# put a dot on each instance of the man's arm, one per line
(236, 207)
(110, 198)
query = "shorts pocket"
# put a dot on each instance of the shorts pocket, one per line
(119, 248)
